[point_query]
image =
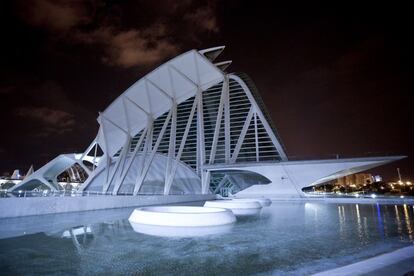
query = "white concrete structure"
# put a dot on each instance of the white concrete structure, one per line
(238, 207)
(188, 127)
(288, 178)
(265, 202)
(180, 232)
(182, 216)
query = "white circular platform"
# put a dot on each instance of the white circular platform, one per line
(172, 232)
(238, 207)
(187, 216)
(265, 202)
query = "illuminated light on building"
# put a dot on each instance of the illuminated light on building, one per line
(355, 180)
(377, 178)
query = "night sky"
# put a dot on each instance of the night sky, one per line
(336, 79)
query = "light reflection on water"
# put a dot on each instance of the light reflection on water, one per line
(286, 238)
(397, 215)
(359, 224)
(408, 223)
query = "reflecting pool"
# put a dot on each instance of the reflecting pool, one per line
(286, 238)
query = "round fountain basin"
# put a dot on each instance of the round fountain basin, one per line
(265, 202)
(181, 232)
(182, 216)
(238, 207)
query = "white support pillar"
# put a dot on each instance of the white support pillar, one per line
(201, 154)
(182, 144)
(94, 157)
(227, 121)
(242, 135)
(130, 137)
(201, 158)
(205, 182)
(106, 155)
(256, 137)
(171, 149)
(118, 162)
(141, 178)
(218, 123)
(125, 170)
(147, 147)
(110, 176)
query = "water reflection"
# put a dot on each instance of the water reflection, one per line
(341, 221)
(359, 224)
(90, 237)
(247, 212)
(285, 237)
(397, 216)
(408, 223)
(312, 210)
(81, 236)
(369, 219)
(379, 220)
(384, 216)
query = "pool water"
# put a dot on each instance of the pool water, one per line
(286, 238)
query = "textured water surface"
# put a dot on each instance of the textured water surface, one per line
(286, 238)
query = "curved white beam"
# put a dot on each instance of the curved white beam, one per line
(189, 72)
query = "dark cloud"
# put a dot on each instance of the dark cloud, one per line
(203, 18)
(80, 22)
(56, 15)
(132, 47)
(7, 89)
(50, 121)
(44, 108)
(45, 93)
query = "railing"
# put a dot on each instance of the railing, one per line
(73, 193)
(48, 193)
(357, 195)
(342, 155)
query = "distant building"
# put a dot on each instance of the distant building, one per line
(358, 179)
(377, 178)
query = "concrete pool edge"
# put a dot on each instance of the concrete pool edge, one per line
(32, 206)
(376, 265)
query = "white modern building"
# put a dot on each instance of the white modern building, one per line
(188, 127)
